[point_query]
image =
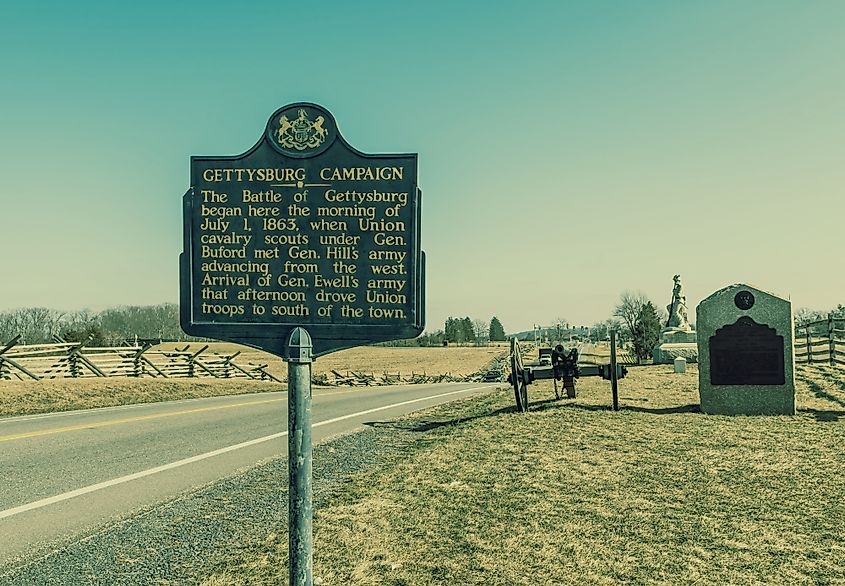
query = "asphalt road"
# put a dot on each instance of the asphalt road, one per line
(63, 475)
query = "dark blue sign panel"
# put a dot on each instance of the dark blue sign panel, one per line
(303, 230)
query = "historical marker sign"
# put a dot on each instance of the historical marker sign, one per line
(746, 361)
(303, 230)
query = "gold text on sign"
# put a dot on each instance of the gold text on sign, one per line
(277, 174)
(361, 173)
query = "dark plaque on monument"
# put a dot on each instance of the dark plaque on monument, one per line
(746, 353)
(303, 230)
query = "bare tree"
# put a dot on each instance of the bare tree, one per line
(601, 330)
(558, 329)
(629, 307)
(481, 329)
(37, 324)
(662, 315)
(7, 331)
(149, 322)
(805, 315)
(33, 324)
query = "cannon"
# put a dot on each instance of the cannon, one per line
(564, 368)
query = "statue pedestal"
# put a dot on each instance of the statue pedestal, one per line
(676, 343)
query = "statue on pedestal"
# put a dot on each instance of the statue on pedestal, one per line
(678, 308)
(677, 339)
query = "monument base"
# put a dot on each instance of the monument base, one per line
(677, 336)
(666, 353)
(675, 343)
(748, 400)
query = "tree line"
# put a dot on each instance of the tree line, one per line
(473, 331)
(116, 325)
(805, 315)
(113, 326)
(462, 330)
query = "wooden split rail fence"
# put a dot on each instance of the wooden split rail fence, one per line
(821, 341)
(364, 379)
(63, 359)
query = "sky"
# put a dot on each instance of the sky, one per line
(568, 151)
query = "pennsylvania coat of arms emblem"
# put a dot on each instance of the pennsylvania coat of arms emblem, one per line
(301, 133)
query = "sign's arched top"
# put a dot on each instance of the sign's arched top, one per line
(301, 130)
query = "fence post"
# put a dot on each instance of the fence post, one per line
(831, 339)
(614, 377)
(5, 371)
(138, 365)
(73, 362)
(9, 362)
(809, 346)
(230, 365)
(192, 361)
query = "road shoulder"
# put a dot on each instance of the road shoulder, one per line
(204, 531)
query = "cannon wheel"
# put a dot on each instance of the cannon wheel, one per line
(557, 391)
(520, 387)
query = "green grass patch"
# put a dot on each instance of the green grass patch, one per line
(573, 493)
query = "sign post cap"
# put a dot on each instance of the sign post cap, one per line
(299, 346)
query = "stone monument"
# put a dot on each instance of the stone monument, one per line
(677, 339)
(746, 357)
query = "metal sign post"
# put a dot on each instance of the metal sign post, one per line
(614, 376)
(300, 495)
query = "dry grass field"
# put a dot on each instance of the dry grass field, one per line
(27, 397)
(456, 360)
(573, 493)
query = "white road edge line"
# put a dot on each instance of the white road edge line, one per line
(130, 477)
(93, 410)
(368, 411)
